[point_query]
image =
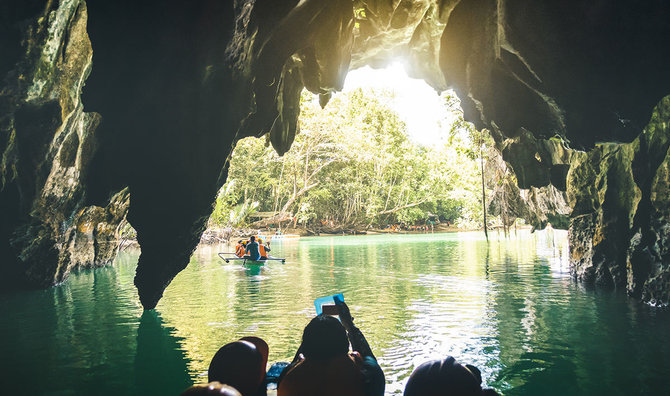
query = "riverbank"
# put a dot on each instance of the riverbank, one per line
(216, 235)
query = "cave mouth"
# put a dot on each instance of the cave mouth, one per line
(424, 110)
(388, 151)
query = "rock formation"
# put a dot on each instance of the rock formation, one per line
(174, 83)
(538, 206)
(47, 142)
(619, 222)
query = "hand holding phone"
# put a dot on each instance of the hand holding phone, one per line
(344, 314)
(319, 303)
(329, 309)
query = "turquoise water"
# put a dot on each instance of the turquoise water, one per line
(509, 307)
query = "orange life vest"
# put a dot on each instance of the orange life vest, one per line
(261, 250)
(239, 250)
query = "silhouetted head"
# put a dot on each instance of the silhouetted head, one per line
(240, 365)
(261, 346)
(324, 338)
(252, 238)
(445, 377)
(240, 241)
(211, 389)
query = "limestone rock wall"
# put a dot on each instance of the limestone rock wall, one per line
(47, 141)
(619, 224)
(614, 203)
(538, 206)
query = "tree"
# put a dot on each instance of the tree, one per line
(353, 165)
(475, 148)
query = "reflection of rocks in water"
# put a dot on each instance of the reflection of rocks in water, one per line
(160, 364)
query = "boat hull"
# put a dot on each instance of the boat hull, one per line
(228, 257)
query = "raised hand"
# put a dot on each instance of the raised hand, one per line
(345, 315)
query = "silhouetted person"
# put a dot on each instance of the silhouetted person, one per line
(261, 346)
(239, 364)
(211, 389)
(252, 249)
(446, 377)
(323, 365)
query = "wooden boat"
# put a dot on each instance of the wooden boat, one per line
(228, 257)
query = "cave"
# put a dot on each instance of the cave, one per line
(126, 109)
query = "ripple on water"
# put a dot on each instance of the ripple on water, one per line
(508, 306)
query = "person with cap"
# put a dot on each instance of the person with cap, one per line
(261, 346)
(241, 364)
(323, 365)
(446, 377)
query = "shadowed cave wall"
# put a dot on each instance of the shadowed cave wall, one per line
(108, 108)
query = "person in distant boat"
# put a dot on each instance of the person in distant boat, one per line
(263, 249)
(252, 249)
(239, 249)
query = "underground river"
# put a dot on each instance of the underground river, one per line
(509, 307)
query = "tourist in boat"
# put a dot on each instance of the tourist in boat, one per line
(446, 377)
(239, 249)
(240, 364)
(323, 365)
(252, 249)
(263, 249)
(261, 346)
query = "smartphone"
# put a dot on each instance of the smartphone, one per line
(321, 303)
(330, 310)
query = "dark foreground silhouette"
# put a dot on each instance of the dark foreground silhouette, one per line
(334, 358)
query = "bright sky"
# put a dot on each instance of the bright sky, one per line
(419, 105)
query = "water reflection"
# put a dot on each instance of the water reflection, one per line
(160, 365)
(508, 306)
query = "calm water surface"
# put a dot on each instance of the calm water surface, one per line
(509, 307)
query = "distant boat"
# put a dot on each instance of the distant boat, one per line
(228, 257)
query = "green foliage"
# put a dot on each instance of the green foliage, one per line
(228, 212)
(353, 164)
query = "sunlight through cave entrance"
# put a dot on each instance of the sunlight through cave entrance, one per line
(387, 154)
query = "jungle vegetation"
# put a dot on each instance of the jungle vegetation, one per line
(353, 165)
